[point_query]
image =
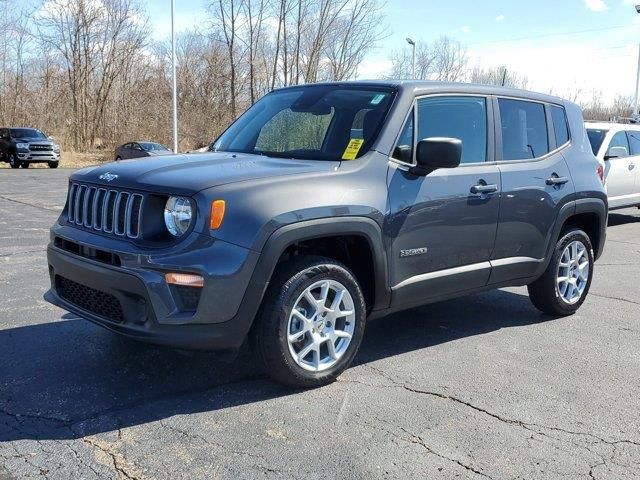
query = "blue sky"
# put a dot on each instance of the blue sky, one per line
(537, 39)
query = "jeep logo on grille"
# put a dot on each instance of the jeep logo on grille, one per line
(108, 176)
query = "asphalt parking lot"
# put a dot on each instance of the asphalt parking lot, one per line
(483, 386)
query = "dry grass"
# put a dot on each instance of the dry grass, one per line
(75, 160)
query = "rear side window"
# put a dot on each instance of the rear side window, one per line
(464, 118)
(524, 129)
(560, 128)
(634, 142)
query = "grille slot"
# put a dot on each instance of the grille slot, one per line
(109, 211)
(95, 301)
(40, 148)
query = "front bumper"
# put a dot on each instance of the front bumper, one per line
(146, 306)
(35, 157)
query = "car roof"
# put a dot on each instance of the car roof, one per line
(425, 87)
(612, 126)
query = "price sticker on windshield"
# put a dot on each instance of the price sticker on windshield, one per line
(351, 152)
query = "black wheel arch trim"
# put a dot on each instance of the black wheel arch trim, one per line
(577, 207)
(287, 235)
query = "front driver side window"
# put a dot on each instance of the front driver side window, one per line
(464, 118)
(619, 146)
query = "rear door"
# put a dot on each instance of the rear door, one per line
(535, 183)
(619, 170)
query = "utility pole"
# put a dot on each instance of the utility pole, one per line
(413, 58)
(174, 93)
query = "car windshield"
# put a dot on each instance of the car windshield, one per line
(27, 133)
(151, 146)
(596, 137)
(317, 122)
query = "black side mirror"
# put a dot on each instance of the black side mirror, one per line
(435, 153)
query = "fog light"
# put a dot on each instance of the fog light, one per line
(184, 279)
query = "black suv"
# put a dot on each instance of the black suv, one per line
(327, 205)
(21, 146)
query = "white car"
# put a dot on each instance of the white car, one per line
(617, 147)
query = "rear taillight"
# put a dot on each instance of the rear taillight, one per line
(600, 172)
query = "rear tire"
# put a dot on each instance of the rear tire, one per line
(118, 158)
(313, 305)
(13, 161)
(564, 285)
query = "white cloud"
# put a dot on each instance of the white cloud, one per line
(466, 29)
(596, 5)
(500, 18)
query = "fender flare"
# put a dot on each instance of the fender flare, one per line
(576, 207)
(287, 235)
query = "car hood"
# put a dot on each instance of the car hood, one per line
(188, 174)
(45, 141)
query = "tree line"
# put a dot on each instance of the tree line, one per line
(90, 73)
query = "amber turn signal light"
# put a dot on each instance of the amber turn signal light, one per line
(217, 214)
(184, 279)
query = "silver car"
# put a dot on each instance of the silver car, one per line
(617, 147)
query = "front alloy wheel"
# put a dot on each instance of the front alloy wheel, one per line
(311, 322)
(13, 161)
(321, 325)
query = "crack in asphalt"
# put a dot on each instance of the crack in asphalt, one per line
(39, 207)
(417, 439)
(117, 464)
(620, 299)
(532, 427)
(222, 446)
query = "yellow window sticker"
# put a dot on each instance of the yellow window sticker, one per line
(351, 152)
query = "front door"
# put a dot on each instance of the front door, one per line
(443, 226)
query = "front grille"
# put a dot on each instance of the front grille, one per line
(95, 301)
(110, 211)
(40, 148)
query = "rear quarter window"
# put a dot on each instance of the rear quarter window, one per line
(524, 129)
(560, 125)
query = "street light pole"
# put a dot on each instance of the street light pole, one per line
(413, 58)
(635, 102)
(174, 93)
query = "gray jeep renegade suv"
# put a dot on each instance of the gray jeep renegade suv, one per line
(327, 205)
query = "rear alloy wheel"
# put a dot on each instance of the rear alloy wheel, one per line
(311, 322)
(13, 161)
(564, 285)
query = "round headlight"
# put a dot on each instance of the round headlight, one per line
(177, 215)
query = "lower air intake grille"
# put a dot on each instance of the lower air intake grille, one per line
(94, 301)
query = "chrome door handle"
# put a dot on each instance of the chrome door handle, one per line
(554, 180)
(481, 189)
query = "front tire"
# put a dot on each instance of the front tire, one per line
(311, 323)
(13, 161)
(564, 285)
(53, 164)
